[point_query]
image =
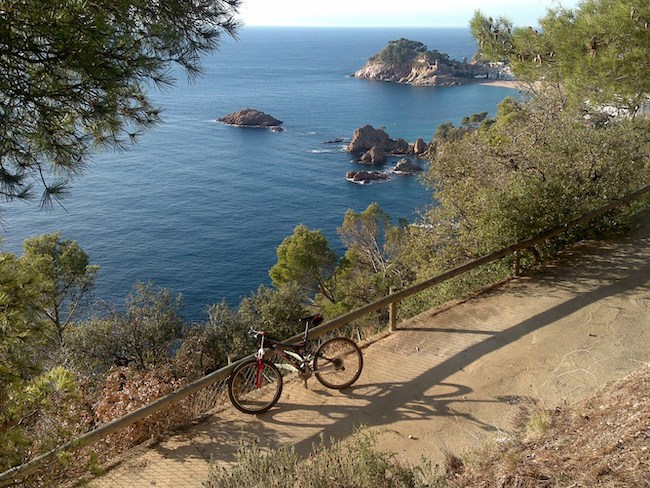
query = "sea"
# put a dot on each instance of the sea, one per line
(199, 207)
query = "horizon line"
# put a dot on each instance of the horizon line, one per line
(311, 26)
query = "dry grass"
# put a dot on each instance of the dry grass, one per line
(603, 441)
(353, 463)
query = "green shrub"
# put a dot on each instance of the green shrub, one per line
(353, 463)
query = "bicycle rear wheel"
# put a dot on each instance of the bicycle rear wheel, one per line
(254, 388)
(338, 363)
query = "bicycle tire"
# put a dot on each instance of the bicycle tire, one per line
(338, 363)
(244, 392)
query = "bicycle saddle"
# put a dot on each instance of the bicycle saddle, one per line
(313, 319)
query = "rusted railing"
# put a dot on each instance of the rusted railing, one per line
(390, 301)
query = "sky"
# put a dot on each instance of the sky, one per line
(391, 13)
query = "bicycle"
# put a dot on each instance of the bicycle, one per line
(256, 384)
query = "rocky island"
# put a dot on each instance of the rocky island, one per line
(410, 62)
(250, 117)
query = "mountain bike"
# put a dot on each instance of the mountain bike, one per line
(255, 385)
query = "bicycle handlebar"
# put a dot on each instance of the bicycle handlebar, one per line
(311, 320)
(255, 333)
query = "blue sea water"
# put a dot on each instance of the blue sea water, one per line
(199, 207)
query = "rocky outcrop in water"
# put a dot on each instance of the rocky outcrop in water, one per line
(375, 155)
(367, 137)
(375, 145)
(250, 117)
(420, 147)
(365, 177)
(406, 167)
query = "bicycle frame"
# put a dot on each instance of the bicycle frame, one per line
(293, 359)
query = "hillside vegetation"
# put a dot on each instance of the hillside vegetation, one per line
(404, 51)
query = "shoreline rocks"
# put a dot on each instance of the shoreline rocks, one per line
(249, 117)
(420, 147)
(406, 167)
(375, 145)
(367, 137)
(365, 177)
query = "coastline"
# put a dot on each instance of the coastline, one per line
(514, 84)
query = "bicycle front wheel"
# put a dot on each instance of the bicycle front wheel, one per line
(254, 387)
(338, 363)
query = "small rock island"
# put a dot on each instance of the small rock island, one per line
(250, 117)
(410, 62)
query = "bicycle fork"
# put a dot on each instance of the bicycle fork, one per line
(259, 374)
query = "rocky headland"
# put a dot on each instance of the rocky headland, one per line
(410, 62)
(250, 117)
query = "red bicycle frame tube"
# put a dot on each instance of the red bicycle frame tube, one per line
(258, 374)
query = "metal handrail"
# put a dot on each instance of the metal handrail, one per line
(120, 423)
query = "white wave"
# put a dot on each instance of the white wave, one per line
(362, 182)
